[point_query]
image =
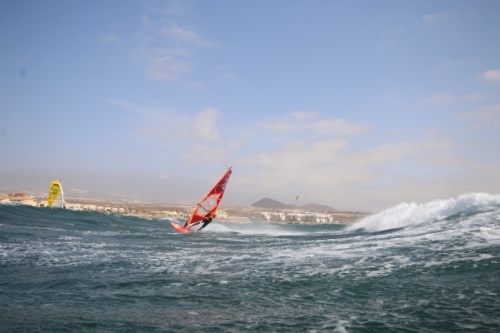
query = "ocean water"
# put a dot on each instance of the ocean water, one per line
(432, 267)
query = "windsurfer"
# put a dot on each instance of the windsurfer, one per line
(206, 222)
(204, 212)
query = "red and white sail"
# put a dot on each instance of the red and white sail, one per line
(207, 207)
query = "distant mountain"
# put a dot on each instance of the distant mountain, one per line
(275, 204)
(271, 204)
(318, 208)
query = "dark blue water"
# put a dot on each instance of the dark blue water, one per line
(413, 268)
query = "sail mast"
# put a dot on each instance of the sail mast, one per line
(62, 196)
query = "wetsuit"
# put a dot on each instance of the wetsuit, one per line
(205, 222)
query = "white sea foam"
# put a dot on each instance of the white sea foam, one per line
(453, 227)
(406, 214)
(253, 229)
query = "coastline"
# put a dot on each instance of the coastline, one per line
(233, 214)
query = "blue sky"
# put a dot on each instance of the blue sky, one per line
(359, 105)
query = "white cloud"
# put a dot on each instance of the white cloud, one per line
(446, 100)
(205, 125)
(436, 17)
(155, 131)
(292, 166)
(492, 75)
(400, 151)
(224, 73)
(176, 8)
(151, 122)
(162, 124)
(206, 153)
(181, 35)
(486, 113)
(311, 121)
(475, 97)
(390, 39)
(311, 156)
(166, 50)
(110, 39)
(331, 169)
(296, 158)
(167, 64)
(453, 64)
(441, 100)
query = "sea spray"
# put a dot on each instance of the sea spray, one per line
(406, 214)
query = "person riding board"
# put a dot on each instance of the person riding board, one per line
(206, 222)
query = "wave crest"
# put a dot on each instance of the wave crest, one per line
(406, 214)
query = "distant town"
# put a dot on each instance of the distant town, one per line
(265, 210)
